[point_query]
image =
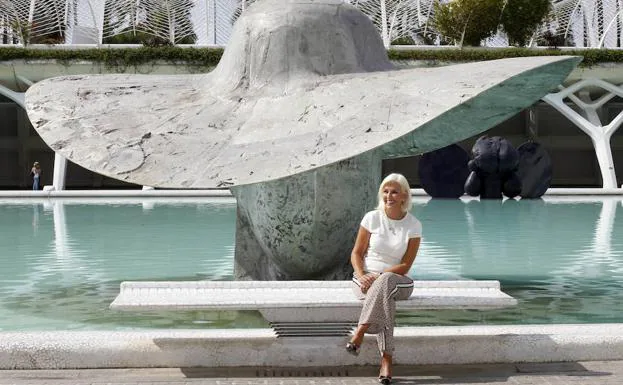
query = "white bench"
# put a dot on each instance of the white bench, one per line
(302, 308)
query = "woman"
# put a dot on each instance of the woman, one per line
(35, 172)
(386, 246)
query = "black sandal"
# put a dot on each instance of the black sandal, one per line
(352, 348)
(385, 380)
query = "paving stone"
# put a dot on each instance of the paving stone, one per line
(585, 373)
(550, 367)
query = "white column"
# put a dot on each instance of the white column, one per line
(60, 163)
(211, 21)
(590, 123)
(60, 173)
(384, 32)
(31, 13)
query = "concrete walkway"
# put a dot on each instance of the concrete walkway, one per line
(585, 373)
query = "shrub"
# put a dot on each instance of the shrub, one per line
(405, 40)
(555, 39)
(521, 18)
(133, 36)
(467, 22)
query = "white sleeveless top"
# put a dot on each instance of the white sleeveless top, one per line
(388, 240)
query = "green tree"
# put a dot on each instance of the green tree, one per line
(467, 22)
(22, 29)
(521, 18)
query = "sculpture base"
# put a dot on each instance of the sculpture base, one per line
(304, 226)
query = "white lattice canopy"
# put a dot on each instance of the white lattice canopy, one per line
(581, 23)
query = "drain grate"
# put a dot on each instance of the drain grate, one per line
(336, 372)
(313, 329)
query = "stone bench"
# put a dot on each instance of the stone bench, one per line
(302, 308)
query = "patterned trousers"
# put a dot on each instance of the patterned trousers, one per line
(379, 306)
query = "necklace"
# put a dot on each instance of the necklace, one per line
(390, 224)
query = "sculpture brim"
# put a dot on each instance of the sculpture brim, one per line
(178, 132)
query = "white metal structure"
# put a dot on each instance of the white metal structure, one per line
(588, 119)
(92, 21)
(588, 23)
(581, 23)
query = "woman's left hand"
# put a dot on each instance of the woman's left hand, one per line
(366, 281)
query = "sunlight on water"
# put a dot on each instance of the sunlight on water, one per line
(62, 261)
(563, 260)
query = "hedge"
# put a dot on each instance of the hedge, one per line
(591, 56)
(195, 57)
(209, 57)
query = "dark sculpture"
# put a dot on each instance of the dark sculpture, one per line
(493, 169)
(443, 172)
(535, 170)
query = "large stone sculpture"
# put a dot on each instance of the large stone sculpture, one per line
(493, 169)
(295, 120)
(443, 172)
(535, 170)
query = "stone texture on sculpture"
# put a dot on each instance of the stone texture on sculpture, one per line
(295, 119)
(303, 227)
(295, 90)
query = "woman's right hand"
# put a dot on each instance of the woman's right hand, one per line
(366, 281)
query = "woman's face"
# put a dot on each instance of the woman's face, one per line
(392, 196)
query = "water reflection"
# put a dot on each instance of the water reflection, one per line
(35, 220)
(525, 240)
(602, 241)
(63, 260)
(66, 269)
(562, 258)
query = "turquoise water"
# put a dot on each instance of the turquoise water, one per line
(62, 260)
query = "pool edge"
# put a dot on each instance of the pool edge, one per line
(556, 191)
(260, 348)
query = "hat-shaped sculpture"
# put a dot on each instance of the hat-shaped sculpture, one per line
(276, 45)
(302, 84)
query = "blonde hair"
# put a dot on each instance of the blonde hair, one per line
(404, 187)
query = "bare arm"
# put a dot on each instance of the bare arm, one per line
(356, 259)
(407, 260)
(359, 251)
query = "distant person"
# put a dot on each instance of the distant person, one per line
(35, 172)
(387, 243)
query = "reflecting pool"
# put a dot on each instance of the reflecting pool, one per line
(62, 260)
